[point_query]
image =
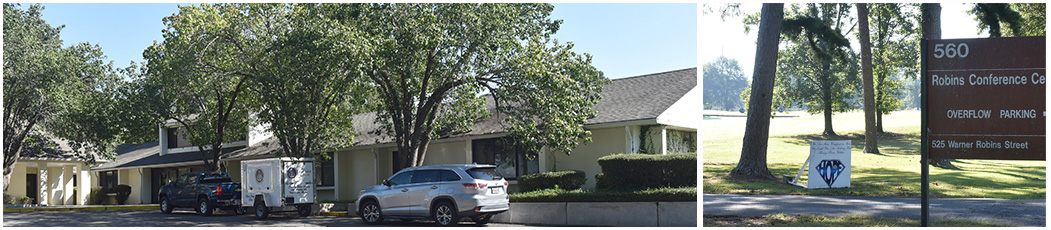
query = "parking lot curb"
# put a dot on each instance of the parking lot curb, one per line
(333, 214)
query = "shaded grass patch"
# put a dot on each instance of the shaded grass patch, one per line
(785, 220)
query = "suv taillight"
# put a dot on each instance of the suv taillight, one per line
(220, 190)
(474, 185)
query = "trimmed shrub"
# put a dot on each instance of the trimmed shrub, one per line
(647, 195)
(562, 179)
(97, 196)
(642, 171)
(123, 191)
(601, 183)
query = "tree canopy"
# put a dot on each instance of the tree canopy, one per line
(433, 66)
(51, 91)
(723, 81)
(817, 71)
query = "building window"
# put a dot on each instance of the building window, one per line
(682, 141)
(327, 175)
(173, 138)
(108, 179)
(511, 161)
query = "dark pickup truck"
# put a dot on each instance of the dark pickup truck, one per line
(202, 191)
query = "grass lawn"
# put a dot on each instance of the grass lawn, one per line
(783, 220)
(895, 171)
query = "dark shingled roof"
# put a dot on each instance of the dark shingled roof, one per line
(626, 99)
(148, 154)
(642, 97)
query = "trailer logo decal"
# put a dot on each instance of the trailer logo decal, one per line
(259, 175)
(291, 173)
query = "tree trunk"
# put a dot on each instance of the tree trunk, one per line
(826, 99)
(757, 128)
(879, 122)
(932, 29)
(879, 108)
(866, 70)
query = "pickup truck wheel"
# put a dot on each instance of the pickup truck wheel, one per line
(261, 211)
(239, 211)
(203, 208)
(370, 213)
(304, 210)
(166, 207)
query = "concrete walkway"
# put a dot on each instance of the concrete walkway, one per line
(19, 208)
(1002, 211)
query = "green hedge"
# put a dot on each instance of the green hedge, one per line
(647, 195)
(97, 196)
(123, 192)
(568, 180)
(641, 171)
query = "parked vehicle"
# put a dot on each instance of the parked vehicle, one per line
(443, 193)
(202, 191)
(278, 185)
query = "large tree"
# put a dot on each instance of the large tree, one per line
(202, 70)
(309, 84)
(52, 91)
(994, 16)
(930, 21)
(871, 135)
(894, 54)
(723, 82)
(757, 126)
(432, 67)
(817, 71)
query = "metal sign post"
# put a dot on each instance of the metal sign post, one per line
(982, 99)
(924, 173)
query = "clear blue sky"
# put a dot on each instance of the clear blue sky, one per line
(624, 39)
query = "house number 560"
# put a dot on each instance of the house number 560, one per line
(951, 50)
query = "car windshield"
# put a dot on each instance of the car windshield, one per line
(216, 178)
(489, 173)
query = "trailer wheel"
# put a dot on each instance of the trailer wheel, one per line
(261, 211)
(304, 210)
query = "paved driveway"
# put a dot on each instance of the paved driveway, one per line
(186, 218)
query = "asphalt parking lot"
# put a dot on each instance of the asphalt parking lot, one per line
(187, 218)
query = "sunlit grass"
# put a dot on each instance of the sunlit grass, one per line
(893, 172)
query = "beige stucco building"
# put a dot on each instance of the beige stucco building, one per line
(50, 174)
(653, 114)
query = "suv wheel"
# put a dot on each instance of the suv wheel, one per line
(166, 207)
(203, 208)
(370, 213)
(445, 214)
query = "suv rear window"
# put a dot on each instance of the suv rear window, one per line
(484, 173)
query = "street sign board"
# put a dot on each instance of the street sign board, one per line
(986, 98)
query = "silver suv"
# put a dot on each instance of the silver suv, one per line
(443, 193)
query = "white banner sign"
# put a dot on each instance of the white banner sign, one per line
(829, 164)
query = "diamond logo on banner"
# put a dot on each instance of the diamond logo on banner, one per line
(830, 170)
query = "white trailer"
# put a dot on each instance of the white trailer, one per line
(278, 185)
